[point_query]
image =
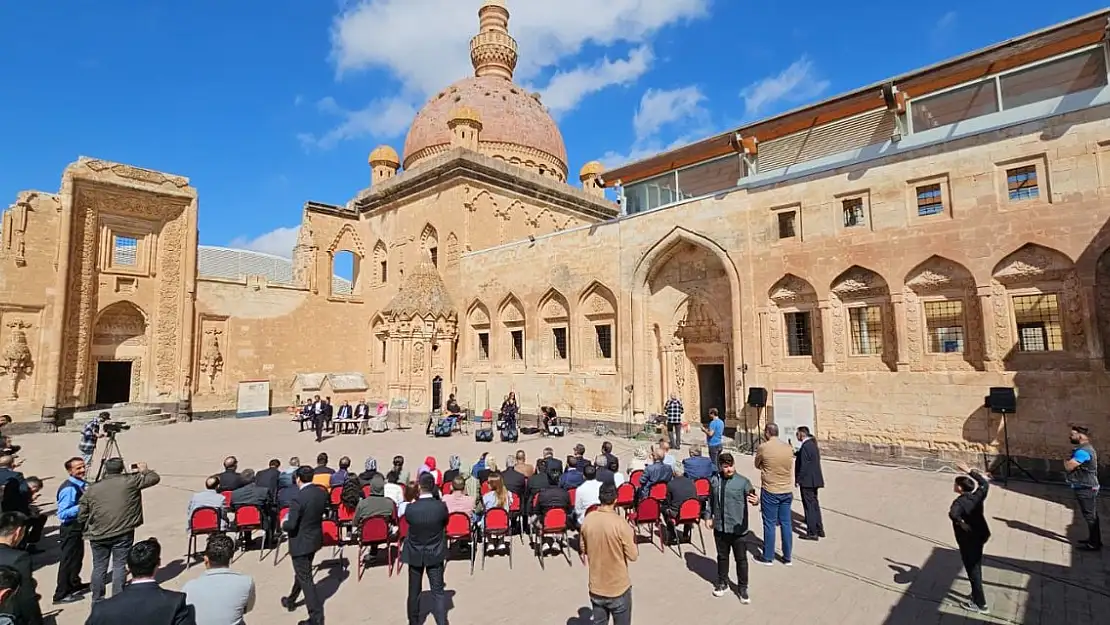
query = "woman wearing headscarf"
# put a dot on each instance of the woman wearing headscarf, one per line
(455, 464)
(370, 476)
(429, 466)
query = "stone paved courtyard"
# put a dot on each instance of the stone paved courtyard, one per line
(889, 559)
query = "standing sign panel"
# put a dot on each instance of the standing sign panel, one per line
(793, 409)
(254, 399)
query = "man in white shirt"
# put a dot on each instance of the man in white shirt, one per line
(220, 596)
(210, 497)
(665, 449)
(588, 494)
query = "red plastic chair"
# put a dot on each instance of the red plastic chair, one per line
(701, 486)
(485, 488)
(498, 524)
(366, 491)
(554, 524)
(399, 539)
(658, 492)
(374, 532)
(634, 477)
(647, 513)
(279, 534)
(332, 538)
(459, 528)
(689, 515)
(446, 489)
(626, 496)
(227, 498)
(203, 522)
(345, 516)
(335, 495)
(591, 509)
(572, 493)
(248, 519)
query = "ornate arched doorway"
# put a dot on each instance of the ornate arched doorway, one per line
(120, 343)
(687, 300)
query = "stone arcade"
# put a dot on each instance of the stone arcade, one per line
(896, 251)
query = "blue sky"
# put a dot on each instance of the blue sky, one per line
(265, 105)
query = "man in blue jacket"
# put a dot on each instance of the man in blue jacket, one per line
(72, 544)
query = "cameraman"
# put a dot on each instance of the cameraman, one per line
(90, 434)
(110, 511)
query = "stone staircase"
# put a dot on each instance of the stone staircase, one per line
(135, 415)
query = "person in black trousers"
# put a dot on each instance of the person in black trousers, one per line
(808, 477)
(425, 550)
(971, 530)
(70, 587)
(304, 525)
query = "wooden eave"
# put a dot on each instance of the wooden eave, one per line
(1007, 55)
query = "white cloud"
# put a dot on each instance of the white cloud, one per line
(793, 85)
(424, 45)
(943, 29)
(660, 107)
(566, 89)
(278, 242)
(660, 111)
(384, 118)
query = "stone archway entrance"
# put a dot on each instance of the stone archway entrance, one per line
(688, 298)
(120, 343)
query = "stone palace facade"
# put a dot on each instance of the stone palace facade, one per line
(877, 261)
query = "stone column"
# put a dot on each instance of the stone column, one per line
(828, 332)
(1093, 327)
(986, 310)
(898, 303)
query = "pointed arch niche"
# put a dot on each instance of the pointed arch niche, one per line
(596, 326)
(479, 345)
(792, 326)
(944, 329)
(121, 342)
(379, 344)
(686, 295)
(512, 345)
(345, 254)
(381, 264)
(864, 336)
(1037, 311)
(555, 331)
(429, 244)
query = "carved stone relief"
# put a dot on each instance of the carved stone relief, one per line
(1031, 263)
(14, 230)
(859, 283)
(452, 251)
(418, 358)
(136, 173)
(836, 314)
(912, 308)
(15, 361)
(211, 358)
(698, 325)
(169, 305)
(791, 289)
(511, 312)
(973, 341)
(774, 335)
(82, 287)
(1074, 319)
(120, 324)
(347, 238)
(1000, 320)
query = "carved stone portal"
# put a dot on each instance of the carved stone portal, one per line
(16, 359)
(698, 325)
(211, 360)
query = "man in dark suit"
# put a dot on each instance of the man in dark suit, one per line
(329, 414)
(230, 478)
(269, 477)
(807, 474)
(425, 550)
(306, 537)
(318, 410)
(143, 600)
(24, 603)
(679, 489)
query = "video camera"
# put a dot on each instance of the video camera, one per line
(111, 429)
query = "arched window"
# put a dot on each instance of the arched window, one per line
(512, 343)
(555, 332)
(598, 334)
(943, 322)
(792, 327)
(429, 244)
(381, 264)
(866, 321)
(479, 343)
(345, 269)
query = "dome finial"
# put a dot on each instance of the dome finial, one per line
(493, 50)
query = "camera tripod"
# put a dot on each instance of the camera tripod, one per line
(111, 450)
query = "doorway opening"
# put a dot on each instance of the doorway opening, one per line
(113, 382)
(711, 390)
(437, 393)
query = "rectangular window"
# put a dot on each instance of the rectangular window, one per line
(929, 200)
(798, 338)
(944, 323)
(125, 251)
(483, 346)
(853, 212)
(1079, 72)
(710, 177)
(517, 337)
(649, 194)
(383, 272)
(381, 350)
(1021, 183)
(788, 224)
(1038, 323)
(950, 107)
(560, 339)
(867, 330)
(434, 253)
(604, 335)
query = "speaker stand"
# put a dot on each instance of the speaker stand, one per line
(1008, 460)
(754, 436)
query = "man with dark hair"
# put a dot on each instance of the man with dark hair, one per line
(110, 511)
(10, 581)
(809, 478)
(1082, 476)
(534, 485)
(304, 525)
(730, 494)
(230, 478)
(587, 494)
(269, 477)
(608, 545)
(90, 434)
(611, 460)
(318, 410)
(70, 541)
(24, 602)
(775, 461)
(551, 498)
(425, 550)
(322, 465)
(573, 477)
(251, 494)
(673, 409)
(515, 482)
(552, 461)
(220, 596)
(580, 460)
(340, 477)
(714, 435)
(143, 601)
(680, 489)
(972, 533)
